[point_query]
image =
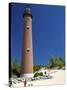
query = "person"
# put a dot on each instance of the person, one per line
(25, 82)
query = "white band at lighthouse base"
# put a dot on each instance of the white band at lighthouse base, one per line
(27, 75)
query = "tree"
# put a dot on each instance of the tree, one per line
(15, 68)
(36, 67)
(56, 62)
(61, 62)
(51, 62)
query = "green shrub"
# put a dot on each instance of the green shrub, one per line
(41, 74)
(38, 74)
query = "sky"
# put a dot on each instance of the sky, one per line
(48, 31)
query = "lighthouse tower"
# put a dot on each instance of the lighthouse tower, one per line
(27, 51)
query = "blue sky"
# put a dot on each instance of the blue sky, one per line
(48, 30)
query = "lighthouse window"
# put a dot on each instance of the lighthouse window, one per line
(28, 50)
(27, 27)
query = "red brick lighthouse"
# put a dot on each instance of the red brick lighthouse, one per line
(27, 53)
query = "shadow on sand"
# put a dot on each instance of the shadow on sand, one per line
(6, 85)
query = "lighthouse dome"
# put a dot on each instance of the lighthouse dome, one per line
(28, 12)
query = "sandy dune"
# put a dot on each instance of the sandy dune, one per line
(58, 78)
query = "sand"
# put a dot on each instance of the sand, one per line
(58, 78)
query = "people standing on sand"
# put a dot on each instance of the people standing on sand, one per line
(25, 82)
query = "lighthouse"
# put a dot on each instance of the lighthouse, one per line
(27, 50)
